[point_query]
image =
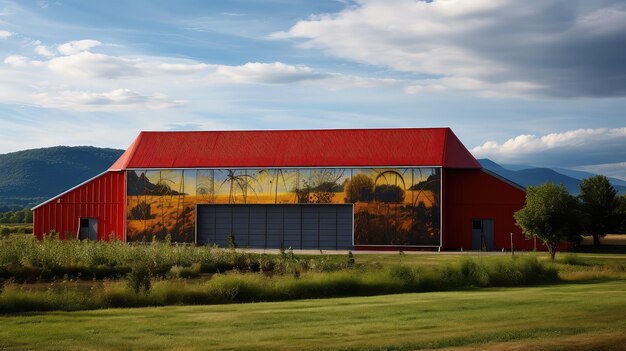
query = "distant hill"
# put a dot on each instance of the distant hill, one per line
(537, 176)
(30, 176)
(582, 175)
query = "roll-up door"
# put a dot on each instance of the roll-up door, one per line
(299, 226)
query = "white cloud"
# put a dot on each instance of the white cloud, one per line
(43, 51)
(617, 170)
(267, 73)
(93, 65)
(336, 81)
(78, 61)
(570, 148)
(280, 73)
(83, 80)
(17, 61)
(173, 68)
(504, 47)
(77, 46)
(5, 34)
(114, 100)
(505, 89)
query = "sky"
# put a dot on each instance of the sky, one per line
(540, 82)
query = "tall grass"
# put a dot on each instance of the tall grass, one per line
(14, 299)
(235, 287)
(28, 259)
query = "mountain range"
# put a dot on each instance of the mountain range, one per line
(525, 175)
(30, 176)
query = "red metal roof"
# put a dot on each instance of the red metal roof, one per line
(297, 148)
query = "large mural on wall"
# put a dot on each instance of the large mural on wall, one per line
(393, 206)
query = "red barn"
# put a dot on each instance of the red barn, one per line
(305, 189)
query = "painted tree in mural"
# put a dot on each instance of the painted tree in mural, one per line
(164, 192)
(276, 177)
(321, 186)
(389, 186)
(399, 212)
(426, 218)
(390, 177)
(428, 188)
(238, 182)
(141, 209)
(386, 193)
(205, 185)
(359, 188)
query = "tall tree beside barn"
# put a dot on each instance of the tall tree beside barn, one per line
(622, 210)
(600, 206)
(551, 214)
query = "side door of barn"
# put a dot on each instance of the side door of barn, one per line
(482, 234)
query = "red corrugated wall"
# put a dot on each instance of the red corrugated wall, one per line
(102, 197)
(475, 194)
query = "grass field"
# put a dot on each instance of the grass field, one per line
(581, 316)
(584, 310)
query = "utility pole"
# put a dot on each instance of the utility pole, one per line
(512, 250)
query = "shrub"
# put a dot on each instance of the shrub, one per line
(403, 273)
(230, 239)
(185, 272)
(139, 279)
(571, 259)
(350, 259)
(474, 273)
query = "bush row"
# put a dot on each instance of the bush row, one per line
(8, 230)
(235, 287)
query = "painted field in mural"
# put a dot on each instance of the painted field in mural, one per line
(393, 206)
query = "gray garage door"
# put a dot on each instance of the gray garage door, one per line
(310, 226)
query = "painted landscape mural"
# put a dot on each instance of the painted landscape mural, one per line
(393, 206)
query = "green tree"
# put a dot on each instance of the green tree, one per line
(600, 206)
(622, 210)
(28, 215)
(551, 214)
(18, 217)
(21, 216)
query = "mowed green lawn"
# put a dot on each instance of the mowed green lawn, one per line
(437, 259)
(580, 316)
